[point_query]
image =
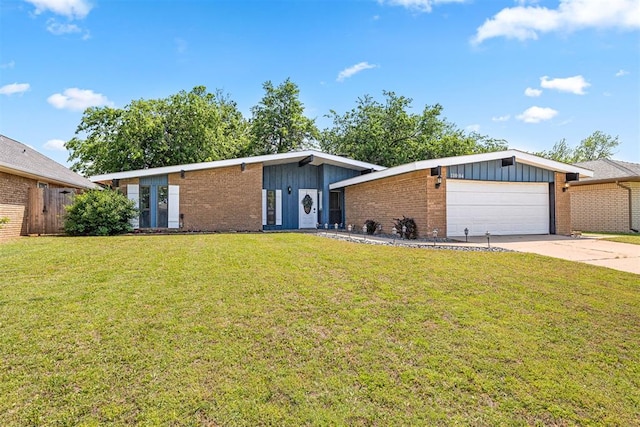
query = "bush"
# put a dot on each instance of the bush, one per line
(412, 229)
(99, 213)
(371, 225)
(3, 220)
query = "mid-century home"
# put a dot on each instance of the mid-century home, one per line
(609, 201)
(22, 170)
(506, 192)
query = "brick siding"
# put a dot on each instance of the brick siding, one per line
(604, 207)
(563, 205)
(412, 195)
(221, 199)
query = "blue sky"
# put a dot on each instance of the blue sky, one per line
(529, 72)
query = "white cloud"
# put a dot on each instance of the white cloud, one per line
(501, 118)
(575, 84)
(12, 88)
(354, 69)
(57, 28)
(532, 92)
(537, 114)
(527, 22)
(55, 145)
(622, 73)
(72, 9)
(9, 64)
(78, 99)
(473, 128)
(418, 5)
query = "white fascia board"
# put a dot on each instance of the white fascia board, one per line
(13, 170)
(266, 159)
(521, 157)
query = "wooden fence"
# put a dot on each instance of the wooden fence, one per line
(46, 209)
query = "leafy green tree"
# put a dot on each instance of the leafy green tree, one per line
(187, 127)
(388, 134)
(596, 146)
(99, 213)
(278, 123)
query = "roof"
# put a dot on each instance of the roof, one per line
(520, 156)
(17, 158)
(607, 170)
(268, 160)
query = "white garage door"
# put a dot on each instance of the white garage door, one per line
(502, 208)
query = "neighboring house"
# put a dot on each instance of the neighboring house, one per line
(22, 168)
(610, 200)
(273, 192)
(503, 193)
(508, 192)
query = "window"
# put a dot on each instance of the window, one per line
(271, 207)
(43, 184)
(145, 206)
(335, 207)
(163, 205)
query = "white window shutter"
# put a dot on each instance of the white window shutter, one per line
(320, 200)
(278, 207)
(264, 207)
(133, 193)
(174, 206)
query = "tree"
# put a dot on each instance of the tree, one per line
(598, 145)
(388, 134)
(187, 127)
(278, 124)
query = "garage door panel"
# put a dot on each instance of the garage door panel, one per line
(497, 207)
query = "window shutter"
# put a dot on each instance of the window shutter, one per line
(264, 207)
(278, 207)
(133, 193)
(174, 206)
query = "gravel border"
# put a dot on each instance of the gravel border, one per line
(407, 243)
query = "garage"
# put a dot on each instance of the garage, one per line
(502, 208)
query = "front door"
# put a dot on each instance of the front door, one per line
(307, 208)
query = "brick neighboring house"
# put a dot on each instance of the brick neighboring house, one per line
(610, 200)
(22, 168)
(506, 192)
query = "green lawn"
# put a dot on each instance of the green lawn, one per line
(634, 239)
(290, 329)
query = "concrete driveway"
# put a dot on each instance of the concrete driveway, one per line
(590, 250)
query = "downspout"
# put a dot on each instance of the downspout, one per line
(630, 206)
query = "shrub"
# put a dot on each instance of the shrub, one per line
(412, 229)
(3, 220)
(99, 213)
(371, 225)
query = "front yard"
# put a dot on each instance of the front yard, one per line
(291, 329)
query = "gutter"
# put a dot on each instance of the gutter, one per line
(630, 206)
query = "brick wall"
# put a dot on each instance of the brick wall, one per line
(604, 207)
(412, 195)
(222, 199)
(563, 206)
(14, 198)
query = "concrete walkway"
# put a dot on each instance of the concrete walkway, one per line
(590, 250)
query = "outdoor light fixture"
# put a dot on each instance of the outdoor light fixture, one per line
(394, 231)
(438, 181)
(115, 183)
(466, 234)
(404, 231)
(289, 189)
(326, 226)
(435, 236)
(488, 239)
(336, 227)
(565, 187)
(243, 166)
(349, 228)
(182, 173)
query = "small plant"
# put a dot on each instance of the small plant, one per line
(371, 226)
(99, 213)
(411, 231)
(3, 221)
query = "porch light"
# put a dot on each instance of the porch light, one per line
(182, 173)
(565, 187)
(243, 166)
(289, 189)
(438, 181)
(466, 234)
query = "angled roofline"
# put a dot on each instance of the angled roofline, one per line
(520, 156)
(266, 159)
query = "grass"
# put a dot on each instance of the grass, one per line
(289, 329)
(633, 239)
